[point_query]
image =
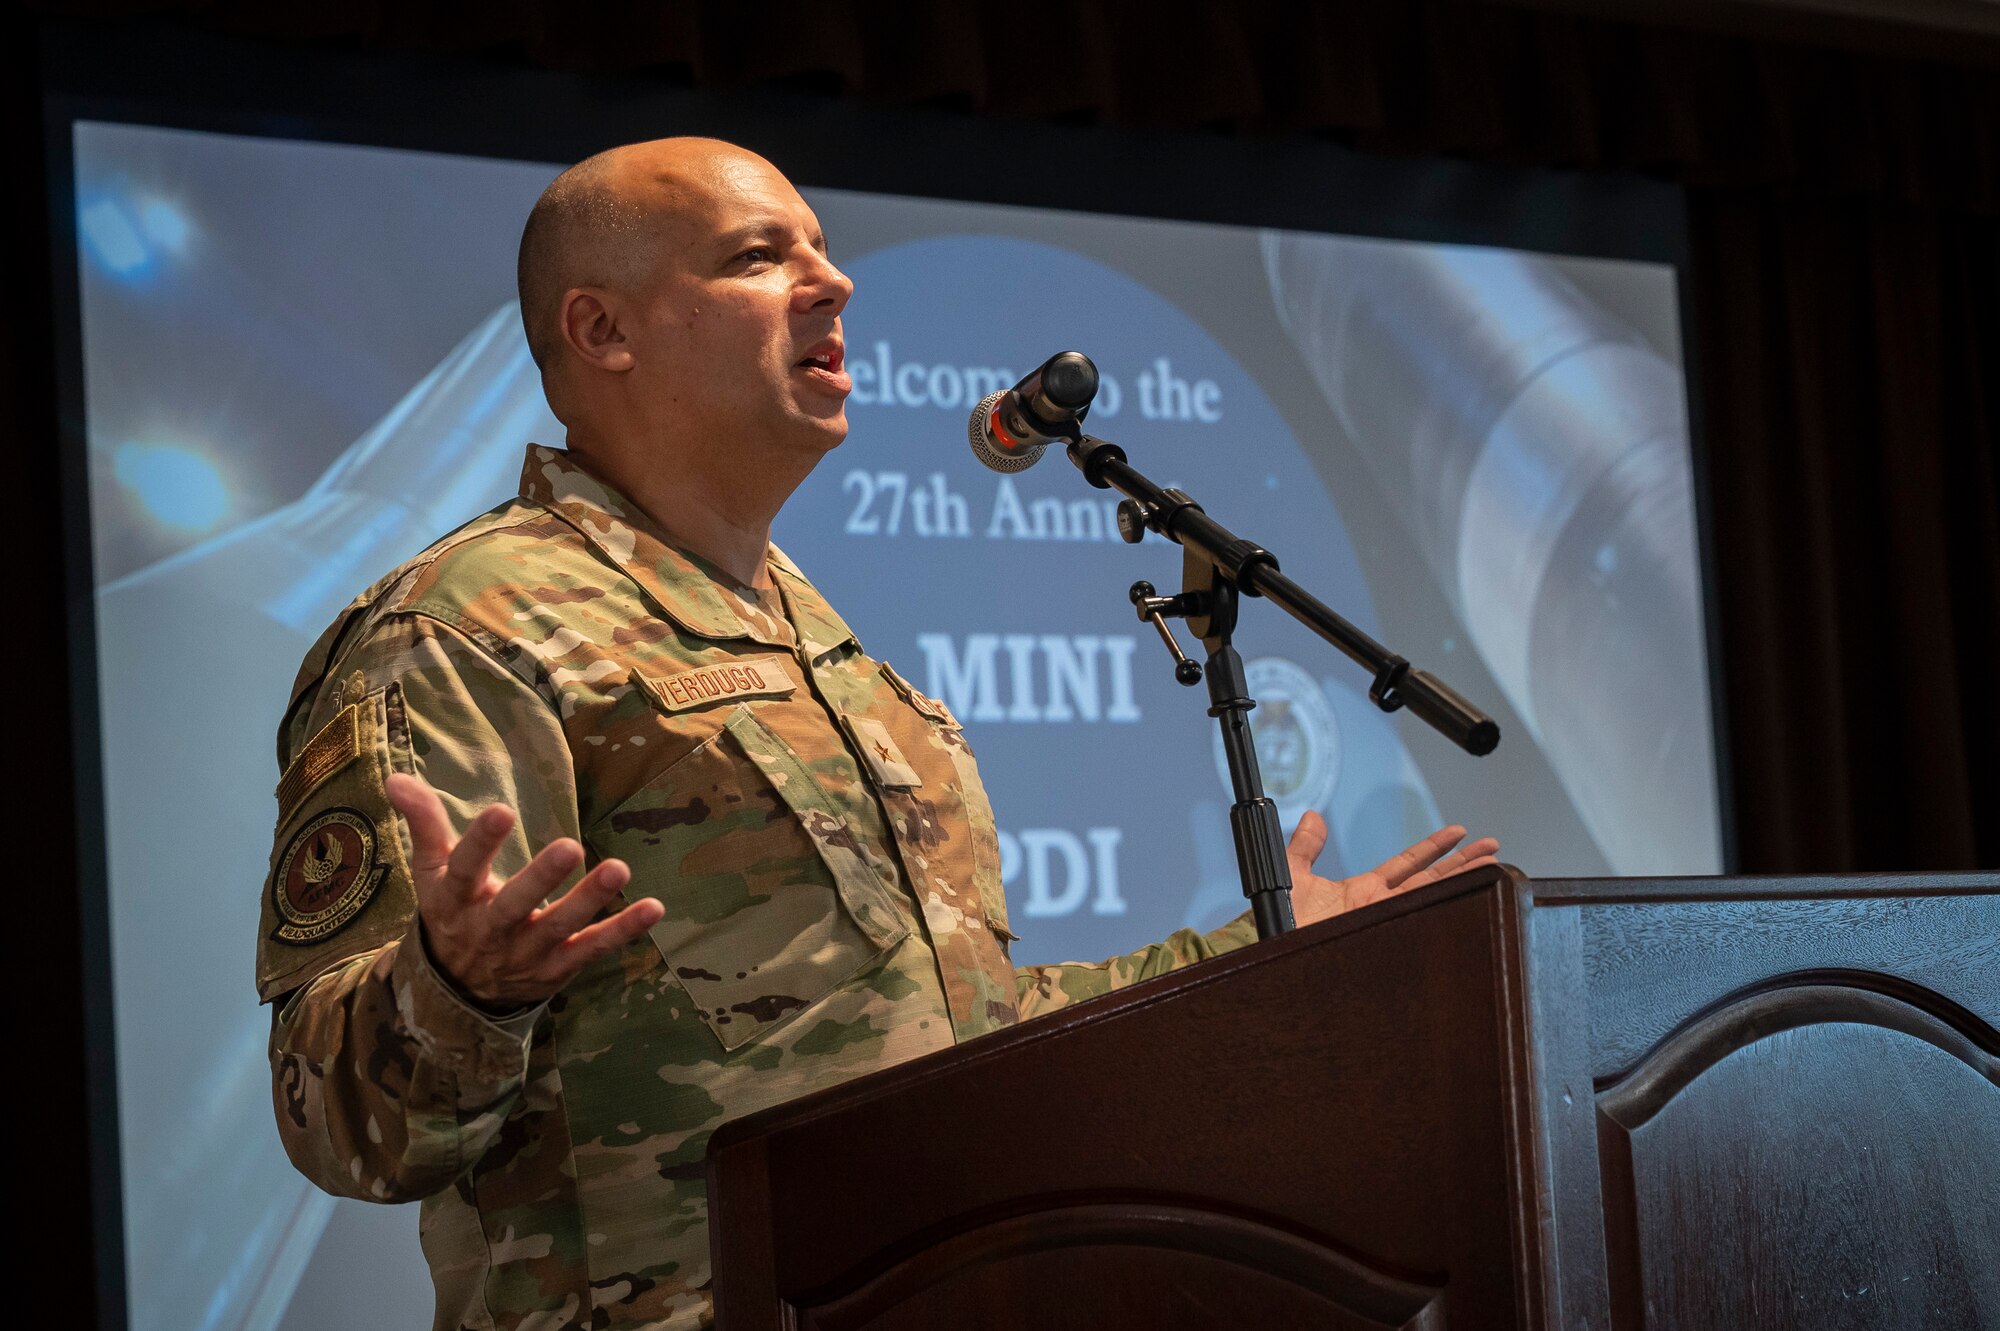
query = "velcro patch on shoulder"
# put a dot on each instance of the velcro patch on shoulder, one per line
(339, 882)
(328, 870)
(724, 681)
(336, 744)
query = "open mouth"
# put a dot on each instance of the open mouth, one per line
(823, 370)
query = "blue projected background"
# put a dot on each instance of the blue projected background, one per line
(302, 363)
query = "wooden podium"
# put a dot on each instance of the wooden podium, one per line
(1704, 1103)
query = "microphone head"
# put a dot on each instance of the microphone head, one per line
(979, 432)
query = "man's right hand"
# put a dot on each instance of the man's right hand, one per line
(496, 942)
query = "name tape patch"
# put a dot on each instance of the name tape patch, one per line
(337, 744)
(750, 677)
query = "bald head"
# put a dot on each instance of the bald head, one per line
(603, 222)
(679, 292)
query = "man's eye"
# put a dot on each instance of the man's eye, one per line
(758, 254)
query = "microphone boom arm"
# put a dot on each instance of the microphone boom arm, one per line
(1253, 571)
(1219, 567)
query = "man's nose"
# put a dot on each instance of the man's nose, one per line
(824, 287)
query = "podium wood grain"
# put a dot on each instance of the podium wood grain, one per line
(1490, 1103)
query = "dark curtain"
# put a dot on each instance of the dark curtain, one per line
(1845, 351)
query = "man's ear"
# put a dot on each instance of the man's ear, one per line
(591, 324)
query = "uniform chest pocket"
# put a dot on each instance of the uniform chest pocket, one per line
(771, 900)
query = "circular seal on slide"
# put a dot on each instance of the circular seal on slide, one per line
(1298, 738)
(325, 876)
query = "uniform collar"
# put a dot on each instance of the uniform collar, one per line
(681, 584)
(820, 629)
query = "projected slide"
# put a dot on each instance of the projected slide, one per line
(303, 364)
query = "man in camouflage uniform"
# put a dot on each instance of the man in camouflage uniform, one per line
(794, 872)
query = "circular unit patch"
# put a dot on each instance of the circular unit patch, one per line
(1298, 739)
(326, 875)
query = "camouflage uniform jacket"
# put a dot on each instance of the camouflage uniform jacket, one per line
(814, 826)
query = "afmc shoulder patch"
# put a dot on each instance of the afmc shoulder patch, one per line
(339, 880)
(327, 872)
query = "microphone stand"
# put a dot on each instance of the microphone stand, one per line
(1218, 568)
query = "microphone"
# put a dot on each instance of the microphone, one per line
(1010, 428)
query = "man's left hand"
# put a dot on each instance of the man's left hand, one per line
(1315, 898)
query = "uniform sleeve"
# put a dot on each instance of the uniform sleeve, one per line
(1043, 989)
(388, 1085)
